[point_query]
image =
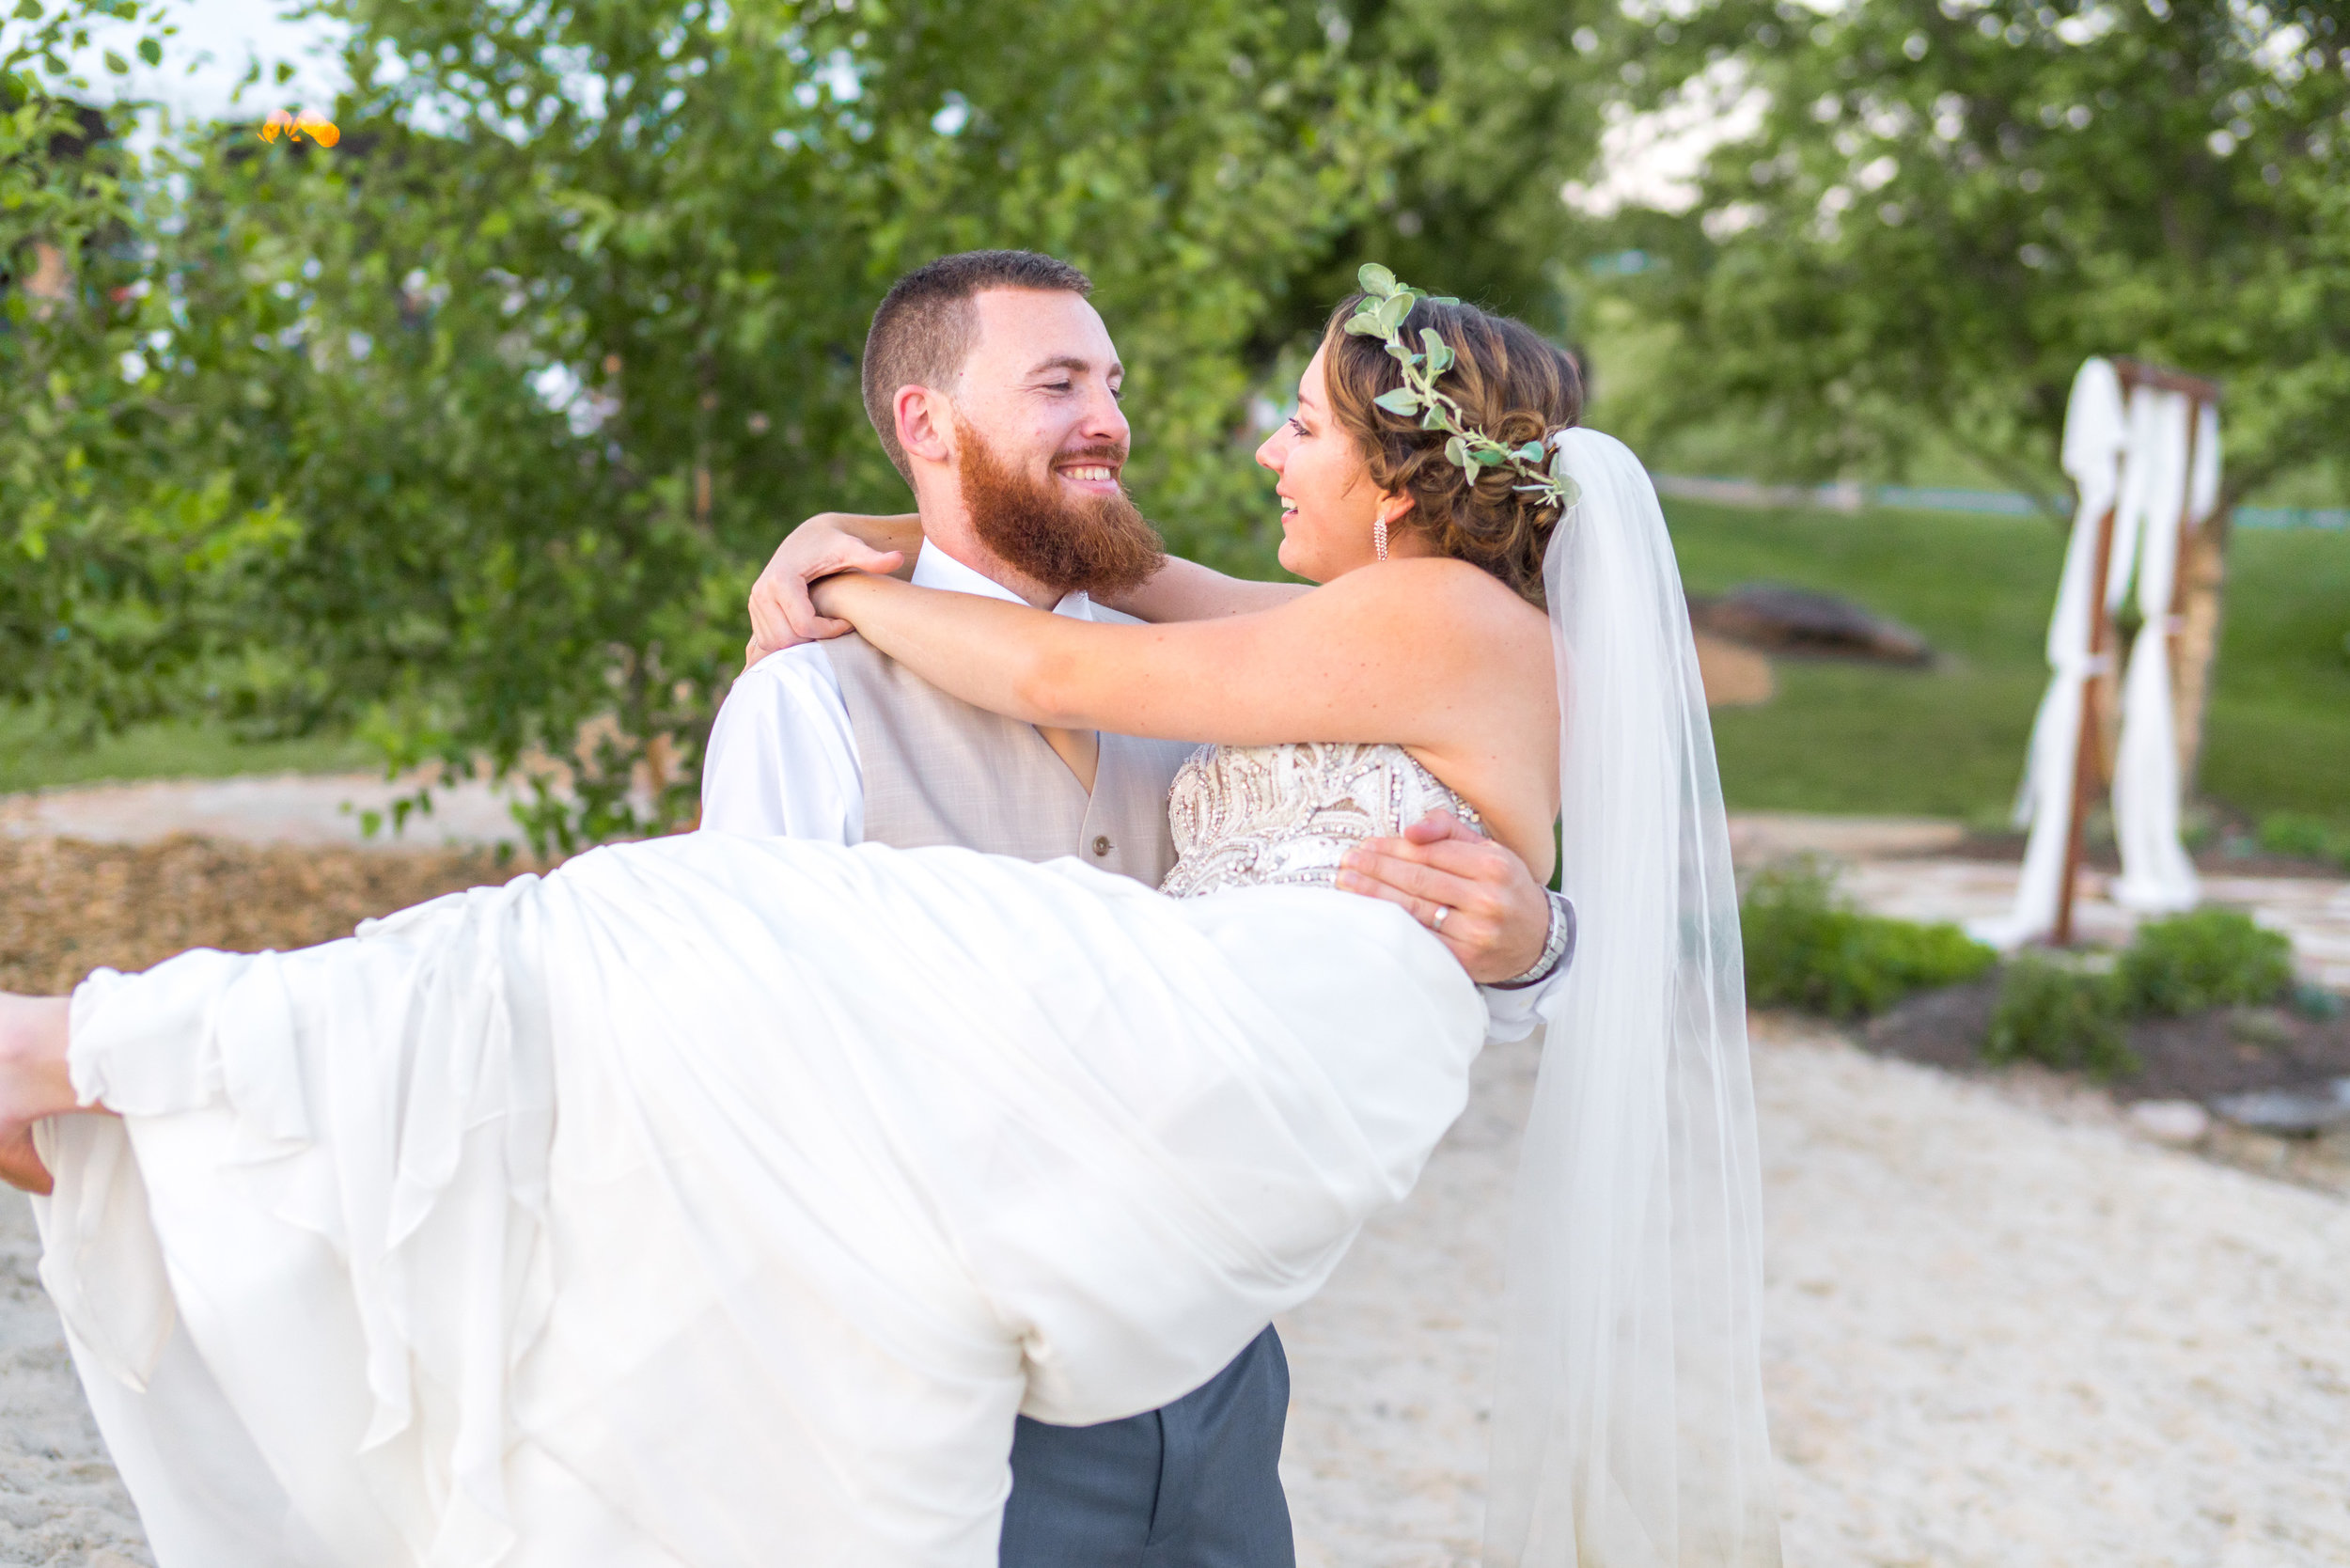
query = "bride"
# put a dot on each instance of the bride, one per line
(717, 1200)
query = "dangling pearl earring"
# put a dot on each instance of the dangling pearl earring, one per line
(1378, 535)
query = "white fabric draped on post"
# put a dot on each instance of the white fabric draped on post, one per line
(2157, 874)
(2096, 436)
(2132, 460)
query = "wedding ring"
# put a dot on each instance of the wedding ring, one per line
(1442, 910)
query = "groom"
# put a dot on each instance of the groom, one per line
(993, 385)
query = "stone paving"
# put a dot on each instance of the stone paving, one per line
(2314, 911)
(1891, 865)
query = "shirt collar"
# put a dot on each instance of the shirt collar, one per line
(936, 569)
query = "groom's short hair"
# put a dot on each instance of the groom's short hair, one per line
(927, 326)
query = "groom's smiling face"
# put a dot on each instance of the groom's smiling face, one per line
(1030, 434)
(1042, 388)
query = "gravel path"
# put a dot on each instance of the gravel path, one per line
(2000, 1333)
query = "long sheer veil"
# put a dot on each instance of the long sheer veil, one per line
(1628, 1429)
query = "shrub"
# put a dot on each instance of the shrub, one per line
(2062, 1015)
(2211, 958)
(2316, 1003)
(2307, 837)
(1807, 948)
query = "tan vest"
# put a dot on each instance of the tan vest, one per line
(938, 771)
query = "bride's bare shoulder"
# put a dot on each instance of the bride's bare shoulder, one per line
(1438, 591)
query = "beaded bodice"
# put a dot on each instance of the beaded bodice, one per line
(1244, 816)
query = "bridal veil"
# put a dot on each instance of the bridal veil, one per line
(1629, 1430)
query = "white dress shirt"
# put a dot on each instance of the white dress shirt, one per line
(782, 760)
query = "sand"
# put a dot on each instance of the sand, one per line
(61, 1505)
(1999, 1332)
(2002, 1330)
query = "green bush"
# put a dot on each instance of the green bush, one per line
(2308, 838)
(1807, 948)
(2062, 1015)
(2316, 1003)
(2211, 958)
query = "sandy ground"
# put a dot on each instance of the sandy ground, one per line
(2002, 1327)
(60, 1504)
(2001, 1332)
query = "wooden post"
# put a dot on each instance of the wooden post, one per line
(2195, 603)
(2088, 753)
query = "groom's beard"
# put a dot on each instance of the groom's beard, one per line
(1062, 542)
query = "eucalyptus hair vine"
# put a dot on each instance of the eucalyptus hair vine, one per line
(1381, 313)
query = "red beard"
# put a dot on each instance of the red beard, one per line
(1102, 544)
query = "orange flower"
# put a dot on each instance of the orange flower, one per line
(294, 127)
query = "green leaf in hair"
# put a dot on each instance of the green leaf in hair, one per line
(1381, 313)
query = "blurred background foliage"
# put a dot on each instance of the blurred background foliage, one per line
(461, 440)
(1944, 207)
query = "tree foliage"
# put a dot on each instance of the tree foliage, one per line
(1947, 205)
(479, 423)
(111, 534)
(1509, 98)
(470, 431)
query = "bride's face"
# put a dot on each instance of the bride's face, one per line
(1328, 501)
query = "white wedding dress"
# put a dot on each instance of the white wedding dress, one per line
(714, 1200)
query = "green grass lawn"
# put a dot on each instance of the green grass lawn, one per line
(1838, 737)
(1950, 740)
(33, 759)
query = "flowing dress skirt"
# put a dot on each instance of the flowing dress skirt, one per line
(715, 1201)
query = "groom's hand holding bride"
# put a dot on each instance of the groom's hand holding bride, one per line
(1478, 897)
(1499, 916)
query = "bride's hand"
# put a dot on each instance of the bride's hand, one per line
(834, 598)
(782, 611)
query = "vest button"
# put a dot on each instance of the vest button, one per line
(1101, 844)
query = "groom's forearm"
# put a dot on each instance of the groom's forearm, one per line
(1185, 590)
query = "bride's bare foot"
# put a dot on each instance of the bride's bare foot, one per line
(34, 1083)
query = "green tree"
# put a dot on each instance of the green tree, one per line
(1507, 99)
(496, 405)
(1947, 205)
(116, 546)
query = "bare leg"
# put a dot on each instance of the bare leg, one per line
(34, 1082)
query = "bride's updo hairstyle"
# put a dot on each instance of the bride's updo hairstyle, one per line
(1511, 384)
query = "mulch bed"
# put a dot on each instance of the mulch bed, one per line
(67, 907)
(2224, 1051)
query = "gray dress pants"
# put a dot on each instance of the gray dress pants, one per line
(1196, 1484)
